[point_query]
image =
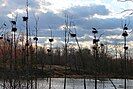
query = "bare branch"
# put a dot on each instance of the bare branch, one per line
(127, 10)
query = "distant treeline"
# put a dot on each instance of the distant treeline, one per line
(79, 62)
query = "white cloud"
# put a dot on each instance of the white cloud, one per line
(11, 15)
(3, 3)
(103, 14)
(114, 37)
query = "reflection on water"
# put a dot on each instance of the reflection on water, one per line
(57, 83)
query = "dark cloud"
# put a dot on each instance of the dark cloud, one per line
(85, 11)
(83, 18)
(22, 3)
(13, 5)
(49, 19)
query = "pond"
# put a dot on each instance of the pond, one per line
(58, 83)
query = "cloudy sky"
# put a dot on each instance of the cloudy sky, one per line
(108, 16)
